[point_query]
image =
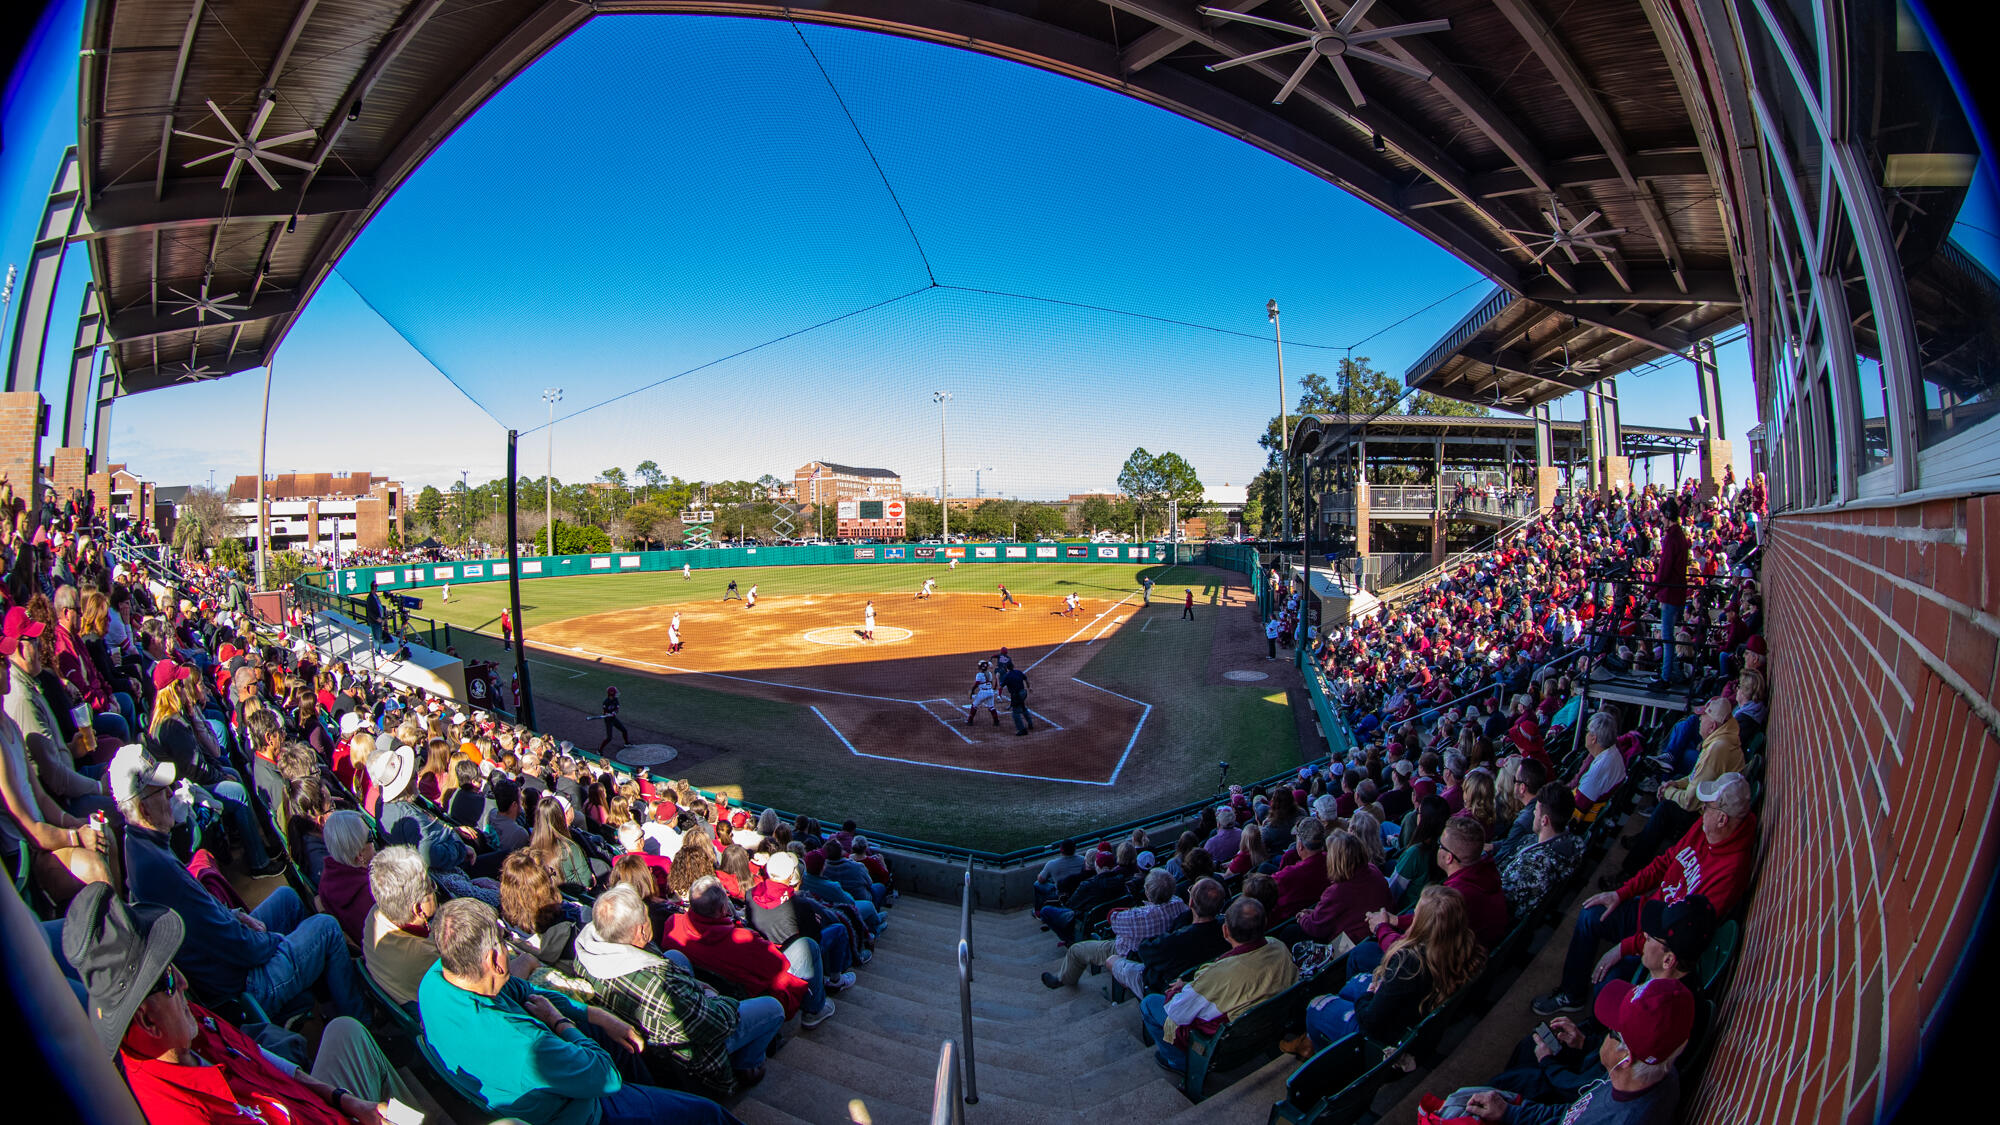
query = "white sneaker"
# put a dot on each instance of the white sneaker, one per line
(814, 1019)
(841, 983)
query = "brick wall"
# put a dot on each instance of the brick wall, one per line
(371, 523)
(1879, 843)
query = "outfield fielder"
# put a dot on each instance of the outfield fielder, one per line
(687, 571)
(983, 696)
(447, 593)
(868, 622)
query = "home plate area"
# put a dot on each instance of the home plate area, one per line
(904, 696)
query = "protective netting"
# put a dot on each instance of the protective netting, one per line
(741, 244)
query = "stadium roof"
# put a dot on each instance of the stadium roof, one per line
(1322, 434)
(1471, 134)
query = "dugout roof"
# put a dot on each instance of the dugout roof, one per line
(1472, 134)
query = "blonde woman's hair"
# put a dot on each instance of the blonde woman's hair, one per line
(1440, 940)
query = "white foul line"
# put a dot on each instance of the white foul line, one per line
(1101, 632)
(1080, 632)
(1137, 727)
(959, 769)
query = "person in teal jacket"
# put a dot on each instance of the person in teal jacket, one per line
(533, 1055)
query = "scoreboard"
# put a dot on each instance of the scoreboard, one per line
(869, 518)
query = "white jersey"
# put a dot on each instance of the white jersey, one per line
(868, 616)
(929, 585)
(674, 634)
(687, 570)
(677, 621)
(447, 591)
(1071, 601)
(982, 690)
(951, 564)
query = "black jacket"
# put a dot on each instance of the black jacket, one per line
(1175, 952)
(1390, 1011)
(1103, 887)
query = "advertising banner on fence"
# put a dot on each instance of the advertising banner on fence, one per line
(986, 552)
(893, 552)
(1017, 552)
(627, 561)
(1045, 552)
(474, 570)
(1107, 552)
(926, 552)
(864, 552)
(954, 552)
(441, 572)
(1076, 552)
(600, 563)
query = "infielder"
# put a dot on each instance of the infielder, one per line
(674, 633)
(750, 599)
(983, 696)
(1069, 604)
(1007, 599)
(732, 592)
(930, 587)
(868, 622)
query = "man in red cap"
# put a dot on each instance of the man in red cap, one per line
(1647, 1028)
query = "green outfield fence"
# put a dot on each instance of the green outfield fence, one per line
(403, 576)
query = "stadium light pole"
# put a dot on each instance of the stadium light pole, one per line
(551, 396)
(1284, 429)
(944, 484)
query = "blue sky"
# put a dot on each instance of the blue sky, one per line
(728, 202)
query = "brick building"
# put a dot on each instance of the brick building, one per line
(124, 493)
(868, 502)
(322, 511)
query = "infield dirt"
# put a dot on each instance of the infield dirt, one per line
(903, 696)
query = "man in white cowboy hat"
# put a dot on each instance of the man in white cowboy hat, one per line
(393, 769)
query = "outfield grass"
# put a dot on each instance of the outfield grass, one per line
(785, 757)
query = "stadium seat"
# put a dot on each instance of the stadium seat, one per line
(1716, 960)
(1326, 1083)
(1251, 1035)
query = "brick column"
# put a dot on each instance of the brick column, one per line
(1439, 526)
(1547, 480)
(144, 506)
(1617, 474)
(21, 443)
(312, 525)
(1715, 460)
(100, 483)
(371, 523)
(1362, 513)
(69, 468)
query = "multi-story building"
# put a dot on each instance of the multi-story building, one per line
(331, 512)
(868, 502)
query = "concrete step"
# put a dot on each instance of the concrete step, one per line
(1249, 1098)
(888, 1093)
(938, 1017)
(753, 1112)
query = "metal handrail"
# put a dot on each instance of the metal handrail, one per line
(965, 985)
(946, 1106)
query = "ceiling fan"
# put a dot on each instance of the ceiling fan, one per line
(247, 147)
(205, 306)
(1335, 42)
(1574, 369)
(189, 372)
(1567, 238)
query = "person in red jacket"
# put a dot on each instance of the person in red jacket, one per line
(1301, 882)
(707, 934)
(1460, 855)
(1712, 860)
(188, 1066)
(1670, 585)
